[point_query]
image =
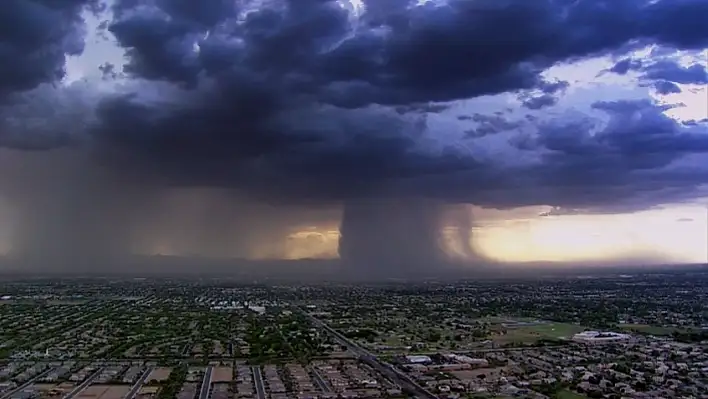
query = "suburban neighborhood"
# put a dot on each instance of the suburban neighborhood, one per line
(643, 336)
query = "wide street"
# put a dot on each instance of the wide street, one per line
(84, 384)
(258, 380)
(135, 388)
(395, 375)
(206, 383)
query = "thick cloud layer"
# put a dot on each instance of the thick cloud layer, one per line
(35, 38)
(312, 103)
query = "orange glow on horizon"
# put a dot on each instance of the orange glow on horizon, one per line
(677, 234)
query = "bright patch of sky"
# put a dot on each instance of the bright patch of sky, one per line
(356, 7)
(100, 48)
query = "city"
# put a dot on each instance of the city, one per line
(609, 336)
(424, 199)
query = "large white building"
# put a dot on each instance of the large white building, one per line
(468, 360)
(599, 337)
(418, 359)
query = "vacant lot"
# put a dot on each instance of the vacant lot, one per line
(222, 374)
(104, 392)
(160, 374)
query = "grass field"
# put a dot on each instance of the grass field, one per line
(540, 331)
(393, 340)
(647, 329)
(566, 394)
(656, 330)
(506, 319)
(57, 302)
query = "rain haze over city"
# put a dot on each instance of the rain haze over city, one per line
(353, 199)
(376, 135)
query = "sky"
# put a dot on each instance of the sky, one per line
(389, 134)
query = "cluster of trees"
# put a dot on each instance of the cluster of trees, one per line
(174, 383)
(265, 342)
(361, 333)
(691, 336)
(283, 336)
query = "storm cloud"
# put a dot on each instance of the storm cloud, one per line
(312, 103)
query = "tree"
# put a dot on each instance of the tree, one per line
(434, 336)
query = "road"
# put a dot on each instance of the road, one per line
(84, 384)
(28, 383)
(492, 350)
(258, 380)
(206, 383)
(320, 381)
(397, 376)
(134, 390)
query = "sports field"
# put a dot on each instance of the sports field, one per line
(539, 330)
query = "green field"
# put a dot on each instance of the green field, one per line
(506, 319)
(393, 340)
(647, 329)
(566, 394)
(653, 330)
(533, 333)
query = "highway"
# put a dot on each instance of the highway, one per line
(134, 390)
(258, 380)
(84, 384)
(396, 376)
(320, 381)
(206, 383)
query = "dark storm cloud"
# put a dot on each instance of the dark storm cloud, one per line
(253, 104)
(35, 38)
(48, 117)
(311, 47)
(296, 100)
(283, 62)
(591, 161)
(546, 95)
(673, 72)
(281, 59)
(637, 136)
(665, 87)
(422, 108)
(542, 101)
(490, 124)
(277, 60)
(665, 74)
(625, 65)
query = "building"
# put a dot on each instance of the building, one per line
(419, 359)
(600, 337)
